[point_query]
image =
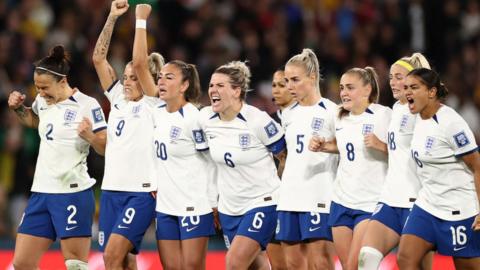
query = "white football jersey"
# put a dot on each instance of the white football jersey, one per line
(438, 143)
(129, 155)
(307, 179)
(242, 149)
(183, 171)
(401, 184)
(283, 113)
(62, 158)
(362, 170)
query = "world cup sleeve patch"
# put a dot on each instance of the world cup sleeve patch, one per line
(271, 129)
(461, 139)
(198, 136)
(97, 115)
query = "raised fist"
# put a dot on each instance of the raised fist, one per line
(142, 11)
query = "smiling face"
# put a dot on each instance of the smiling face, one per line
(170, 83)
(223, 96)
(397, 82)
(280, 93)
(418, 96)
(354, 93)
(131, 85)
(49, 88)
(299, 83)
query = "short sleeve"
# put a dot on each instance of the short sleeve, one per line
(460, 137)
(383, 120)
(35, 105)
(153, 101)
(270, 133)
(115, 92)
(95, 114)
(198, 135)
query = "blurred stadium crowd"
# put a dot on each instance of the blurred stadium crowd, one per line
(208, 33)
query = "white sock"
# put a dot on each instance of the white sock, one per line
(76, 265)
(369, 258)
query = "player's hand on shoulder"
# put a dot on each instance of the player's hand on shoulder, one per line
(142, 11)
(15, 100)
(119, 7)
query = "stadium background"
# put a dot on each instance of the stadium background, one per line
(208, 33)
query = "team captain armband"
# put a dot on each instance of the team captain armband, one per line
(277, 146)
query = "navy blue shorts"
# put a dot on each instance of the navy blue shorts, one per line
(344, 216)
(59, 215)
(392, 217)
(125, 213)
(171, 227)
(258, 224)
(301, 226)
(451, 238)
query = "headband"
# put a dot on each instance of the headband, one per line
(51, 71)
(405, 65)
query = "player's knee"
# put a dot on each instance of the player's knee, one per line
(76, 265)
(296, 262)
(112, 259)
(369, 258)
(233, 261)
(23, 265)
(403, 259)
(193, 263)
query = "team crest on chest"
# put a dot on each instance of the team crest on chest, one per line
(136, 110)
(69, 116)
(404, 122)
(244, 140)
(429, 142)
(175, 133)
(317, 123)
(367, 129)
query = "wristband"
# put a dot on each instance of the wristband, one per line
(139, 23)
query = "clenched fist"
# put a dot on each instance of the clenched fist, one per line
(15, 100)
(142, 11)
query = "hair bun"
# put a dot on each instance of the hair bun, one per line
(58, 53)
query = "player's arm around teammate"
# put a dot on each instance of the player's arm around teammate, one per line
(307, 182)
(362, 168)
(184, 217)
(401, 184)
(62, 202)
(445, 215)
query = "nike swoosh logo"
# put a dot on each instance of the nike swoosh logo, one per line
(252, 230)
(122, 227)
(337, 129)
(116, 106)
(41, 109)
(457, 249)
(70, 228)
(313, 229)
(191, 229)
(211, 137)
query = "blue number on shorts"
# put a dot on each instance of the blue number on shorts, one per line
(300, 143)
(350, 151)
(120, 126)
(391, 141)
(415, 157)
(228, 161)
(161, 150)
(49, 132)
